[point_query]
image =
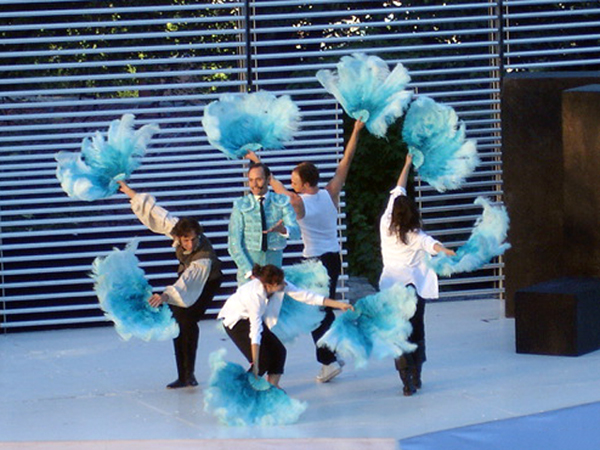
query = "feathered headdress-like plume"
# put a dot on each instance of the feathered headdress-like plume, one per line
(93, 173)
(237, 398)
(378, 327)
(123, 293)
(487, 241)
(436, 139)
(237, 123)
(368, 90)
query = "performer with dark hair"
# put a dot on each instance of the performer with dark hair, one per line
(317, 214)
(199, 278)
(260, 224)
(250, 313)
(404, 249)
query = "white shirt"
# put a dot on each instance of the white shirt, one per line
(406, 263)
(318, 227)
(188, 287)
(251, 302)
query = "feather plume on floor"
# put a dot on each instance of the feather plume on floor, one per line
(238, 123)
(237, 398)
(436, 139)
(297, 318)
(379, 327)
(93, 173)
(368, 90)
(487, 241)
(123, 293)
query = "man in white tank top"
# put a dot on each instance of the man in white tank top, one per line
(317, 214)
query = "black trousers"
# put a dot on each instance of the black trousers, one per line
(333, 263)
(271, 358)
(417, 336)
(186, 344)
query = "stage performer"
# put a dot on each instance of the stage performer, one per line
(317, 214)
(261, 222)
(199, 278)
(250, 313)
(404, 249)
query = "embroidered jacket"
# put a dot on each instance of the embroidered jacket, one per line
(245, 228)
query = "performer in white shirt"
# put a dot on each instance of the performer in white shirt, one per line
(404, 249)
(250, 313)
(199, 278)
(317, 214)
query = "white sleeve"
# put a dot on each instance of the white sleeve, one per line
(190, 284)
(156, 218)
(428, 243)
(303, 296)
(256, 307)
(394, 193)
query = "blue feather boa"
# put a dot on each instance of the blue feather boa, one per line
(237, 398)
(297, 318)
(379, 327)
(436, 139)
(487, 241)
(123, 293)
(93, 173)
(237, 123)
(368, 90)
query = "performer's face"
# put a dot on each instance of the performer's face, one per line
(188, 241)
(297, 184)
(257, 181)
(272, 288)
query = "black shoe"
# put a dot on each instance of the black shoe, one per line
(408, 388)
(177, 384)
(192, 381)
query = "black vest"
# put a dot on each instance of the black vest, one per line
(203, 251)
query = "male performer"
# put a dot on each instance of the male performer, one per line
(317, 210)
(199, 278)
(260, 224)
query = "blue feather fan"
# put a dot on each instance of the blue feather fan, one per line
(368, 91)
(93, 173)
(378, 327)
(297, 318)
(123, 293)
(487, 241)
(436, 139)
(237, 123)
(237, 398)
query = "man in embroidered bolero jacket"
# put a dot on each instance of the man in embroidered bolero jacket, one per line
(247, 229)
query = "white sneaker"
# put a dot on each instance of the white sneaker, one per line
(329, 372)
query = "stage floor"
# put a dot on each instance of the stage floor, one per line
(88, 384)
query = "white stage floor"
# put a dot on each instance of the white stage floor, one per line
(88, 384)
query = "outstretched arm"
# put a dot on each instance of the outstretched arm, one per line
(440, 248)
(125, 189)
(334, 187)
(403, 178)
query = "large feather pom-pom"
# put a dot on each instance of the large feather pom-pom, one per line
(123, 293)
(368, 91)
(237, 398)
(436, 139)
(93, 173)
(378, 327)
(297, 318)
(237, 123)
(487, 241)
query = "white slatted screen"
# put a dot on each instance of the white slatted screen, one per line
(70, 67)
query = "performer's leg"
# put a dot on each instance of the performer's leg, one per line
(409, 365)
(188, 333)
(330, 366)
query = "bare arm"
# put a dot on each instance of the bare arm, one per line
(337, 305)
(125, 189)
(255, 348)
(403, 178)
(334, 187)
(440, 248)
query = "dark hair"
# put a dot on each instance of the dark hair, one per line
(308, 173)
(405, 218)
(268, 274)
(265, 168)
(186, 226)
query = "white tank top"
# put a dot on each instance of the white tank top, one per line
(319, 224)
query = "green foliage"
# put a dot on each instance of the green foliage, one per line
(374, 172)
